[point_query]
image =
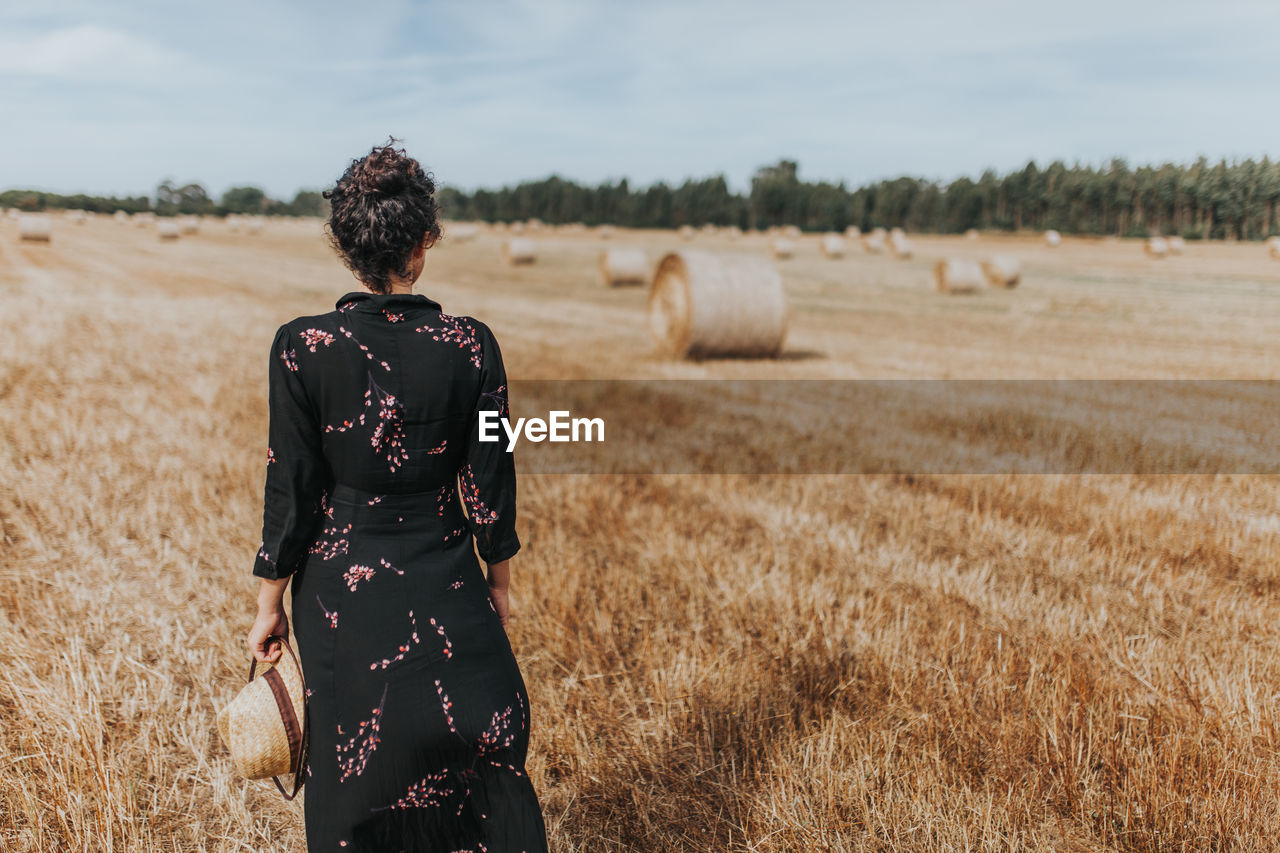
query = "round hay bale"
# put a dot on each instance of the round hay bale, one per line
(899, 245)
(234, 222)
(35, 228)
(623, 266)
(167, 229)
(519, 250)
(686, 232)
(189, 224)
(956, 275)
(533, 224)
(120, 216)
(1273, 248)
(255, 224)
(853, 232)
(832, 246)
(710, 229)
(77, 217)
(733, 232)
(971, 234)
(704, 305)
(1052, 238)
(462, 232)
(517, 227)
(791, 232)
(1002, 270)
(1156, 247)
(1176, 245)
(783, 248)
(605, 231)
(873, 241)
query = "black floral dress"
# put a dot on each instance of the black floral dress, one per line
(376, 489)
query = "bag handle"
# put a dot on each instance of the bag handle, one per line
(295, 731)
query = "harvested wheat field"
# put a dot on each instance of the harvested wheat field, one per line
(747, 662)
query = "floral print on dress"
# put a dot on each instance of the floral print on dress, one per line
(290, 359)
(316, 337)
(480, 514)
(456, 331)
(353, 756)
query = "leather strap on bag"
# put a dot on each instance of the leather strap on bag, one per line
(295, 729)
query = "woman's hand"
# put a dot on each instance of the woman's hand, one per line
(501, 603)
(271, 622)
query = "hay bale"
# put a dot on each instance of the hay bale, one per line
(783, 248)
(1273, 248)
(35, 228)
(462, 232)
(710, 229)
(791, 232)
(168, 229)
(873, 241)
(517, 227)
(853, 232)
(623, 266)
(686, 232)
(120, 216)
(255, 224)
(234, 222)
(533, 224)
(1156, 247)
(605, 231)
(1052, 238)
(189, 224)
(971, 234)
(77, 217)
(704, 305)
(832, 246)
(1002, 270)
(956, 275)
(899, 245)
(1176, 245)
(733, 232)
(519, 250)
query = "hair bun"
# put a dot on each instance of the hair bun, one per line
(385, 172)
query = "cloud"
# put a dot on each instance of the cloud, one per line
(89, 54)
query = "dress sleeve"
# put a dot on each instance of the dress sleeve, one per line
(296, 469)
(487, 478)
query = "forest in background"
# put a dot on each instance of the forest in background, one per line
(1223, 200)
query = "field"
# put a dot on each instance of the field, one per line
(747, 662)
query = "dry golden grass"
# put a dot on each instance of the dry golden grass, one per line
(754, 663)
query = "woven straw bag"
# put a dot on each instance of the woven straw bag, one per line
(265, 726)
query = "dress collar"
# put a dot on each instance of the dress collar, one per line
(363, 300)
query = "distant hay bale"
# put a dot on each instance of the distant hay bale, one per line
(710, 229)
(1156, 247)
(733, 232)
(168, 229)
(605, 231)
(234, 221)
(499, 226)
(783, 248)
(120, 216)
(623, 266)
(1002, 270)
(956, 275)
(1052, 238)
(899, 245)
(873, 241)
(144, 220)
(519, 250)
(832, 246)
(517, 227)
(255, 224)
(971, 234)
(189, 224)
(703, 305)
(791, 232)
(77, 217)
(462, 232)
(35, 228)
(853, 232)
(1176, 245)
(533, 224)
(686, 232)
(1273, 248)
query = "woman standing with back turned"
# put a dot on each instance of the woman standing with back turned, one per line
(418, 715)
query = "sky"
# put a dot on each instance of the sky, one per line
(114, 97)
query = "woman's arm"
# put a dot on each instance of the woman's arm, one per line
(499, 582)
(271, 620)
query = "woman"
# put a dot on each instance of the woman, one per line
(418, 715)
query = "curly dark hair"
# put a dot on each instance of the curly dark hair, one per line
(380, 210)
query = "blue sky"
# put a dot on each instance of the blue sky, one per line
(112, 96)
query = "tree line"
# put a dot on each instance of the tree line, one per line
(1200, 200)
(171, 199)
(1197, 201)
